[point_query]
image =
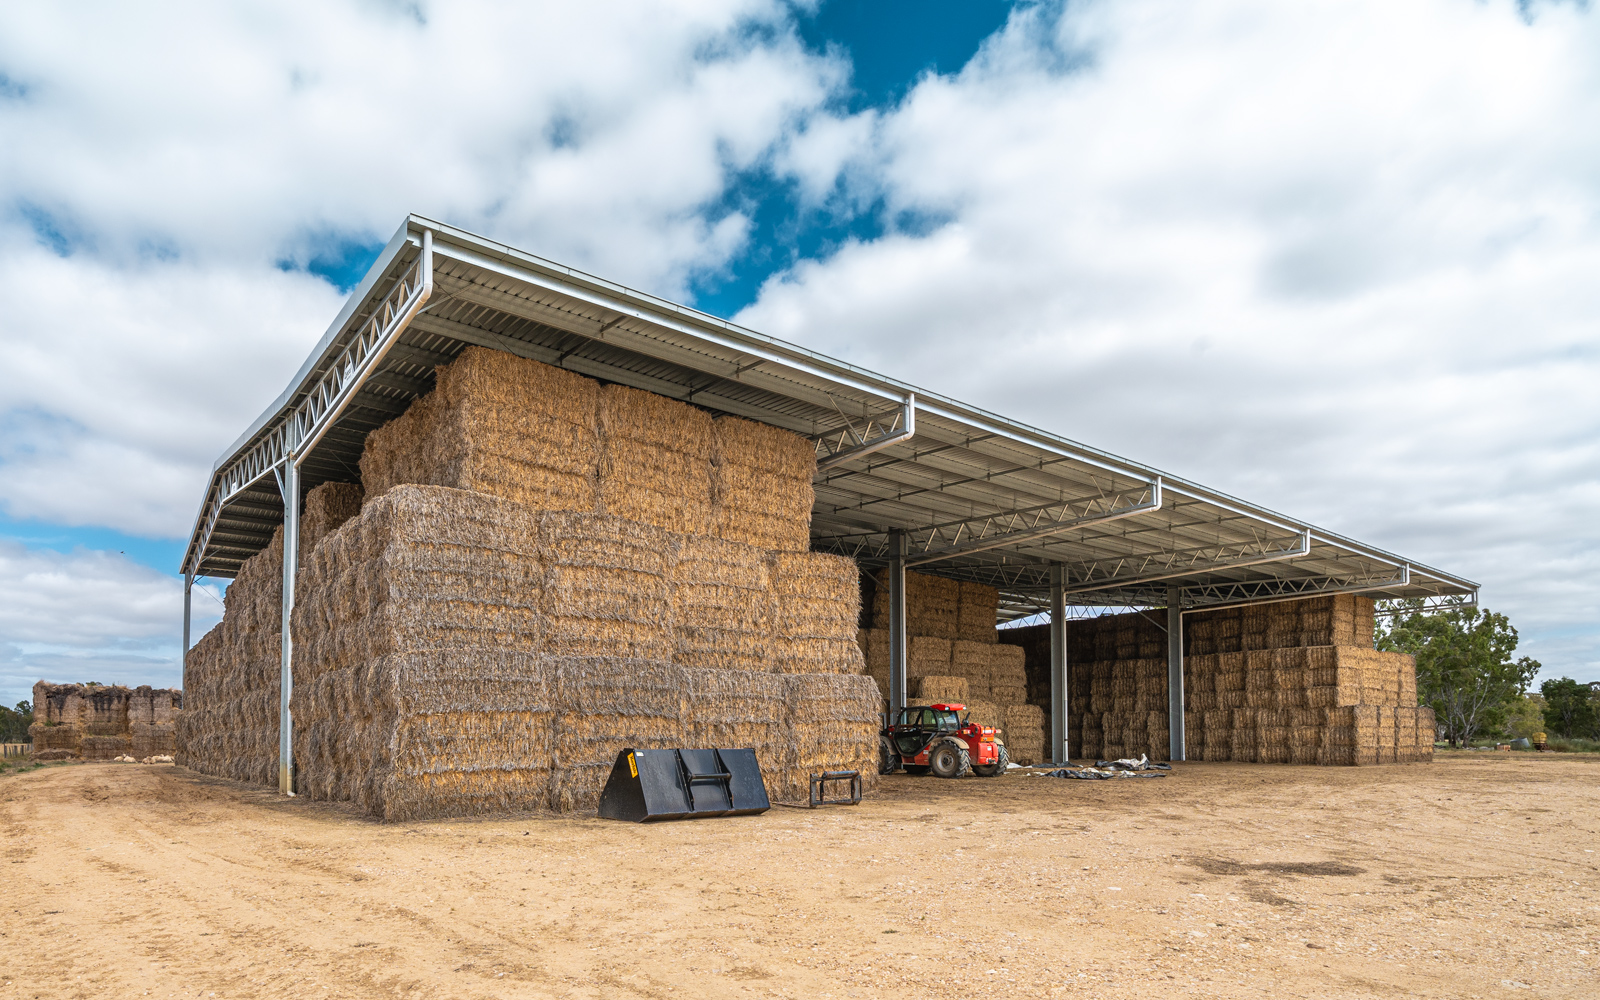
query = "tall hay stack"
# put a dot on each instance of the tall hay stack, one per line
(1282, 683)
(519, 595)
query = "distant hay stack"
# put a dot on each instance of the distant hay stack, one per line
(516, 596)
(103, 722)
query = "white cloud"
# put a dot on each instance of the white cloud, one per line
(1338, 258)
(158, 168)
(81, 616)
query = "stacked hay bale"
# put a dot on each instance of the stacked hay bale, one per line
(103, 722)
(1291, 683)
(951, 635)
(761, 485)
(463, 650)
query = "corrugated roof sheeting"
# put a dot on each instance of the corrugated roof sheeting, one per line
(967, 477)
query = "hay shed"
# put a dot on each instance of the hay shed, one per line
(609, 517)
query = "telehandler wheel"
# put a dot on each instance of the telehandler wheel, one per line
(996, 769)
(888, 760)
(948, 760)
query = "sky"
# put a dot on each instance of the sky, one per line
(1338, 258)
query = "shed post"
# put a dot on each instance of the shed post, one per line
(289, 485)
(1060, 745)
(1175, 672)
(897, 622)
(188, 588)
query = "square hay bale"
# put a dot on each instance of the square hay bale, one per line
(927, 655)
(816, 606)
(721, 604)
(105, 747)
(729, 708)
(655, 460)
(761, 484)
(605, 704)
(606, 590)
(932, 689)
(834, 722)
(497, 424)
(977, 612)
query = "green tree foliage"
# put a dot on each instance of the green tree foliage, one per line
(1465, 672)
(1526, 717)
(14, 723)
(1569, 709)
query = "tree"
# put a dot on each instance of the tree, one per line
(1465, 672)
(14, 723)
(1569, 708)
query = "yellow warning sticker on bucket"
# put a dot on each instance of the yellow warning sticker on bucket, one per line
(633, 768)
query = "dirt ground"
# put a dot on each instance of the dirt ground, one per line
(1475, 876)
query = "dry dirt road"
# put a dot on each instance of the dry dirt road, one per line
(1469, 877)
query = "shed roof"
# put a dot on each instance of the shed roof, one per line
(979, 496)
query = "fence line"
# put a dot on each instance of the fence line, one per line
(15, 749)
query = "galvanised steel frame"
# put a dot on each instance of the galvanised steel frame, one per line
(971, 494)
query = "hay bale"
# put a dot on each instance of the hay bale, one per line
(926, 655)
(934, 689)
(327, 507)
(977, 612)
(497, 424)
(721, 604)
(816, 605)
(761, 484)
(606, 587)
(655, 460)
(833, 725)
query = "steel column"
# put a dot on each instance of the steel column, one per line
(289, 483)
(1175, 672)
(897, 622)
(188, 587)
(1060, 739)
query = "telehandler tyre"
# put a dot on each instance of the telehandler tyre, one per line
(888, 760)
(947, 760)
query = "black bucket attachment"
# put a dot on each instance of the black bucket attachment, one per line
(647, 785)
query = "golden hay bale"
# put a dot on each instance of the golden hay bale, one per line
(495, 424)
(815, 595)
(933, 688)
(834, 722)
(927, 655)
(977, 612)
(761, 484)
(655, 463)
(327, 507)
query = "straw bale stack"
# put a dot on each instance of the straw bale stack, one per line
(986, 713)
(655, 461)
(761, 484)
(1024, 729)
(1262, 684)
(499, 424)
(833, 722)
(102, 722)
